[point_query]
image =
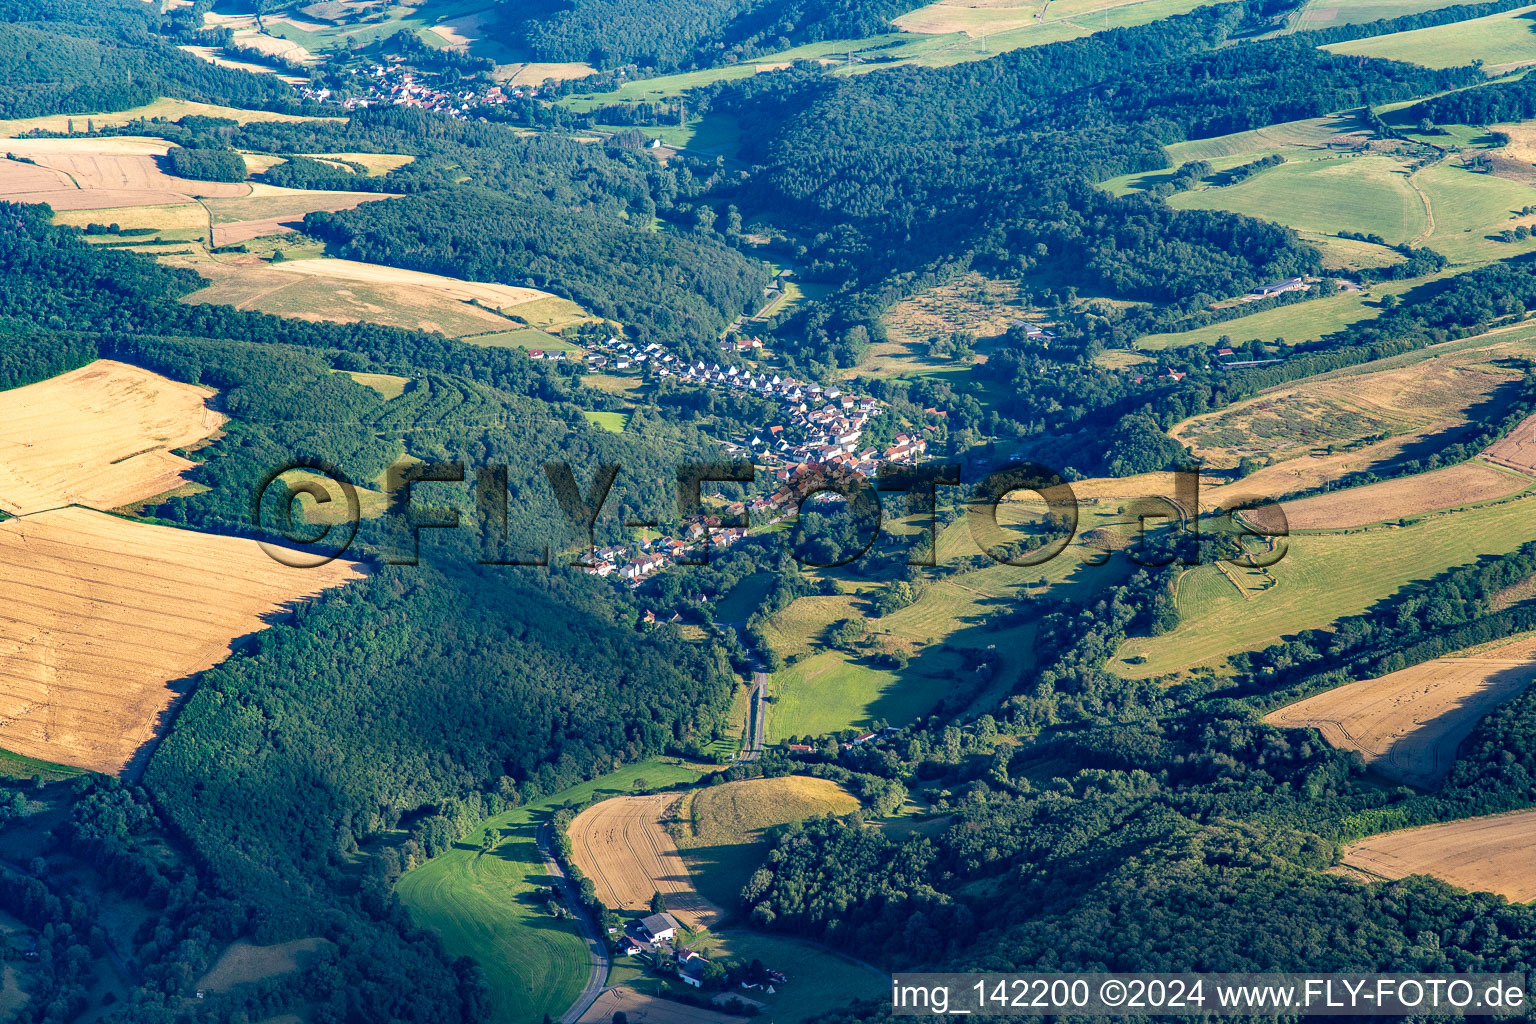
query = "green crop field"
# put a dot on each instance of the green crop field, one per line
(15, 766)
(481, 904)
(1321, 577)
(1369, 194)
(1500, 41)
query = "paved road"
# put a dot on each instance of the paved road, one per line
(759, 713)
(598, 978)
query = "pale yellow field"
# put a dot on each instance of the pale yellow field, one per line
(185, 217)
(170, 109)
(622, 846)
(536, 74)
(106, 621)
(1489, 854)
(739, 812)
(496, 296)
(1408, 724)
(215, 55)
(99, 436)
(111, 166)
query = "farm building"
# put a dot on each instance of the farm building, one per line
(660, 927)
(1289, 284)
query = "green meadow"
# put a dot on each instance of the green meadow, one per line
(1321, 578)
(1501, 41)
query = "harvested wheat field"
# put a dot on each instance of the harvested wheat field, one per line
(644, 1009)
(106, 619)
(496, 296)
(99, 436)
(1409, 724)
(270, 210)
(99, 174)
(1403, 498)
(361, 292)
(623, 847)
(1491, 854)
(1517, 449)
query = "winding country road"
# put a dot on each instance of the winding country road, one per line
(597, 979)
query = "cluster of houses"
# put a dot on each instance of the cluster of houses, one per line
(857, 741)
(656, 933)
(821, 433)
(394, 82)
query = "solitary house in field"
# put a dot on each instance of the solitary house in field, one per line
(659, 927)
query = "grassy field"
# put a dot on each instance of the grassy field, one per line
(482, 904)
(1303, 322)
(387, 384)
(15, 766)
(819, 979)
(1501, 41)
(438, 23)
(521, 337)
(1321, 578)
(743, 598)
(953, 619)
(614, 421)
(711, 135)
(1369, 194)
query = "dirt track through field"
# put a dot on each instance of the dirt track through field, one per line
(1409, 724)
(106, 620)
(1489, 854)
(622, 846)
(99, 436)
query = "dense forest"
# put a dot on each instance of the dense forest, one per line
(94, 56)
(658, 285)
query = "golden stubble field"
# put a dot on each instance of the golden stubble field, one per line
(623, 847)
(1517, 449)
(100, 436)
(1404, 497)
(1408, 724)
(106, 620)
(1488, 854)
(99, 174)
